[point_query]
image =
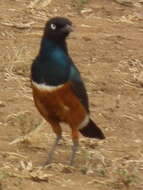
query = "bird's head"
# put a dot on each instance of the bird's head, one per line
(58, 28)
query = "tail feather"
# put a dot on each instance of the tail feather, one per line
(92, 131)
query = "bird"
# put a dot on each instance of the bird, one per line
(58, 90)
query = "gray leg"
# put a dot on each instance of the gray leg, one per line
(51, 153)
(74, 150)
(57, 130)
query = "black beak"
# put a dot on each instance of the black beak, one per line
(67, 29)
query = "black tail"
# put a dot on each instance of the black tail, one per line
(92, 131)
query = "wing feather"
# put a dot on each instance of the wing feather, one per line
(78, 87)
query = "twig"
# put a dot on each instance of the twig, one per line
(26, 138)
(19, 25)
(129, 117)
(96, 181)
(13, 153)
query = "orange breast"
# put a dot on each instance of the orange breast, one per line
(60, 104)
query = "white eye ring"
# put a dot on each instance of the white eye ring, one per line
(53, 26)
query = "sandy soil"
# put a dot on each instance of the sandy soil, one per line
(107, 47)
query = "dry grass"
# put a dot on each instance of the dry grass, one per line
(114, 164)
(116, 172)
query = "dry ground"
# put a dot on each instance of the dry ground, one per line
(107, 46)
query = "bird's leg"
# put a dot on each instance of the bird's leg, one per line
(74, 146)
(57, 129)
(51, 153)
(74, 150)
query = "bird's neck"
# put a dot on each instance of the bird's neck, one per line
(48, 45)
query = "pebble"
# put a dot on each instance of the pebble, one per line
(2, 104)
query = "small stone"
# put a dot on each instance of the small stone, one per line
(84, 11)
(138, 141)
(68, 169)
(2, 104)
(141, 1)
(140, 78)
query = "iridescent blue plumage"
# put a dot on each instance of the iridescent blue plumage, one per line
(53, 66)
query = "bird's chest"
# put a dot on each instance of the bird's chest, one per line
(53, 102)
(58, 103)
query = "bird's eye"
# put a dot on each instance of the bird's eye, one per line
(53, 26)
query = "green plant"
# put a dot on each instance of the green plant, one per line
(79, 4)
(126, 177)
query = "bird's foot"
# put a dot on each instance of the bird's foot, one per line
(48, 162)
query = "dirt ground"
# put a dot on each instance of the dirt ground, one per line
(107, 47)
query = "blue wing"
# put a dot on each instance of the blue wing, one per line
(78, 86)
